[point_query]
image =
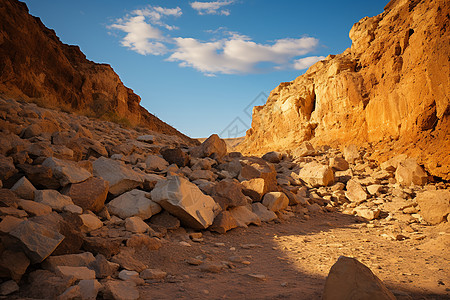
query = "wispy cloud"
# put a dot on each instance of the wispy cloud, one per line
(212, 7)
(306, 62)
(238, 54)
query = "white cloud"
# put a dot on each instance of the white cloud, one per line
(142, 34)
(211, 8)
(306, 62)
(238, 54)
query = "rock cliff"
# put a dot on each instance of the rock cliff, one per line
(36, 66)
(389, 91)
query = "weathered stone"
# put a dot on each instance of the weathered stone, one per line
(175, 156)
(34, 208)
(263, 213)
(53, 199)
(9, 223)
(355, 192)
(89, 194)
(90, 222)
(185, 200)
(38, 240)
(14, 212)
(142, 240)
(24, 189)
(409, 172)
(228, 194)
(13, 264)
(350, 279)
(316, 174)
(136, 225)
(155, 163)
(165, 220)
(120, 290)
(127, 261)
(135, 203)
(148, 138)
(351, 153)
(89, 289)
(40, 176)
(434, 205)
(338, 164)
(127, 275)
(275, 201)
(66, 171)
(254, 167)
(391, 164)
(213, 147)
(8, 198)
(99, 245)
(305, 149)
(153, 274)
(8, 287)
(102, 267)
(224, 222)
(7, 168)
(244, 216)
(202, 174)
(120, 177)
(46, 285)
(79, 273)
(255, 184)
(233, 167)
(74, 209)
(273, 157)
(374, 189)
(72, 260)
(367, 213)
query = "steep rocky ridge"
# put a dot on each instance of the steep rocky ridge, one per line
(36, 66)
(389, 90)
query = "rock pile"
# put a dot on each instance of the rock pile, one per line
(80, 195)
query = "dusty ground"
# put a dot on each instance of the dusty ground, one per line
(291, 260)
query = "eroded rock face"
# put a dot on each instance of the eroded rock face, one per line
(388, 85)
(37, 66)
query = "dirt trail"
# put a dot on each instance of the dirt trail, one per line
(291, 259)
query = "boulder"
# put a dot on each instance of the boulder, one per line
(90, 222)
(350, 279)
(254, 167)
(202, 174)
(8, 287)
(264, 214)
(53, 199)
(175, 156)
(273, 157)
(155, 163)
(126, 275)
(228, 194)
(434, 205)
(135, 203)
(47, 285)
(144, 241)
(148, 138)
(7, 168)
(13, 264)
(153, 274)
(316, 174)
(72, 260)
(213, 147)
(34, 208)
(100, 245)
(136, 225)
(40, 176)
(79, 273)
(275, 201)
(184, 200)
(351, 153)
(121, 178)
(367, 213)
(338, 164)
(66, 171)
(102, 267)
(224, 222)
(355, 192)
(409, 172)
(244, 216)
(120, 290)
(9, 223)
(127, 259)
(89, 288)
(305, 149)
(24, 189)
(255, 184)
(90, 194)
(37, 240)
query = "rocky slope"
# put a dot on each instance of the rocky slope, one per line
(36, 66)
(390, 89)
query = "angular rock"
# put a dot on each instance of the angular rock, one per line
(148, 138)
(24, 189)
(434, 205)
(255, 184)
(126, 260)
(263, 213)
(155, 163)
(224, 222)
(79, 273)
(9, 223)
(142, 240)
(391, 164)
(175, 156)
(8, 287)
(409, 172)
(228, 194)
(351, 153)
(305, 149)
(13, 264)
(72, 260)
(7, 168)
(273, 157)
(213, 147)
(355, 192)
(367, 213)
(120, 290)
(99, 245)
(185, 200)
(38, 240)
(53, 199)
(374, 189)
(165, 220)
(244, 216)
(47, 285)
(202, 174)
(102, 267)
(338, 164)
(89, 194)
(350, 279)
(126, 275)
(34, 208)
(89, 289)
(275, 201)
(90, 223)
(136, 225)
(135, 203)
(254, 167)
(316, 174)
(66, 171)
(153, 274)
(120, 177)
(40, 176)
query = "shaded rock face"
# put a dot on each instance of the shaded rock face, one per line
(391, 88)
(36, 66)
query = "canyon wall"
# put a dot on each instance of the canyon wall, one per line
(389, 92)
(36, 66)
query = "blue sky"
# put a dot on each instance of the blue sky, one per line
(200, 66)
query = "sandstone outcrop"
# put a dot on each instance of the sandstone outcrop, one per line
(36, 66)
(390, 89)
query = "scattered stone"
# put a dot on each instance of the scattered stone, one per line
(244, 216)
(71, 260)
(78, 273)
(136, 225)
(102, 267)
(275, 201)
(53, 199)
(228, 194)
(305, 149)
(34, 208)
(374, 189)
(194, 261)
(224, 222)
(149, 274)
(316, 174)
(127, 261)
(24, 189)
(355, 192)
(258, 276)
(46, 285)
(273, 157)
(9, 223)
(254, 167)
(7, 168)
(165, 220)
(8, 287)
(89, 194)
(175, 156)
(141, 240)
(120, 177)
(213, 147)
(135, 203)
(13, 264)
(351, 153)
(89, 289)
(338, 163)
(263, 213)
(255, 184)
(131, 276)
(367, 213)
(155, 163)
(74, 209)
(434, 205)
(120, 290)
(90, 222)
(150, 139)
(99, 245)
(409, 172)
(66, 171)
(184, 200)
(212, 267)
(350, 279)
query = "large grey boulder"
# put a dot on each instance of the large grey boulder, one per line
(135, 203)
(121, 178)
(186, 201)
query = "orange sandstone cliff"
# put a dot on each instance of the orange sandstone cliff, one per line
(36, 66)
(390, 91)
